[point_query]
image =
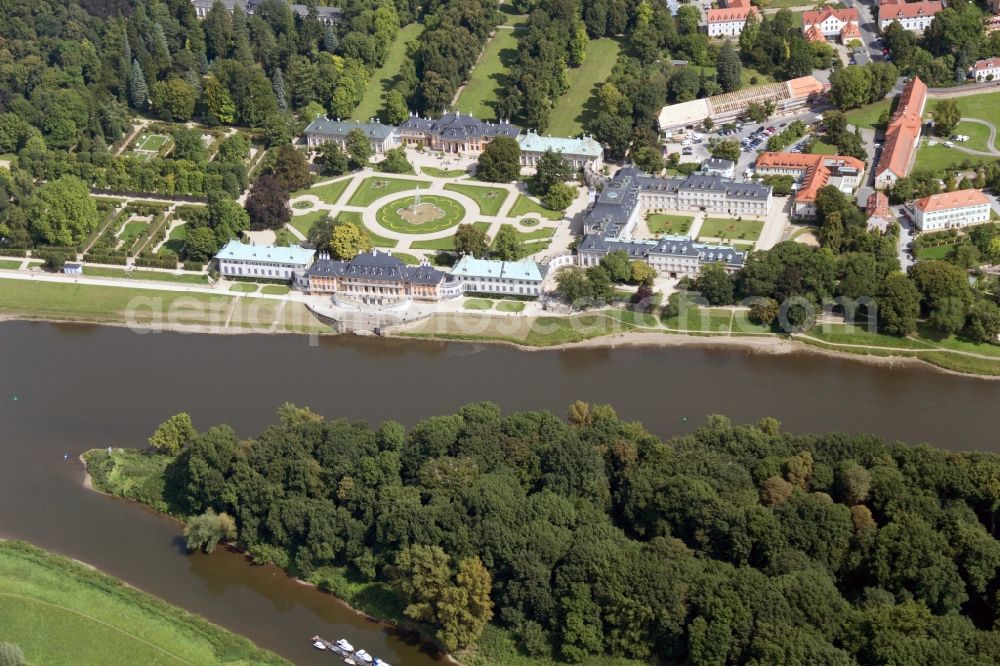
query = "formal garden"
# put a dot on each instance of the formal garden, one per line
(420, 214)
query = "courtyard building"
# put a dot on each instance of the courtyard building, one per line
(951, 210)
(375, 278)
(912, 16)
(454, 133)
(729, 21)
(325, 15)
(579, 153)
(266, 262)
(986, 70)
(787, 97)
(323, 130)
(902, 137)
(813, 172)
(715, 166)
(831, 24)
(513, 278)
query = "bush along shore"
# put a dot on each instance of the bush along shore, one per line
(59, 612)
(527, 539)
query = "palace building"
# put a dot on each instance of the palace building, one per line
(951, 210)
(454, 133)
(238, 259)
(579, 153)
(323, 130)
(813, 172)
(375, 278)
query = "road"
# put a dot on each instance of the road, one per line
(869, 33)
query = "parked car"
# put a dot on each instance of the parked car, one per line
(687, 151)
(949, 144)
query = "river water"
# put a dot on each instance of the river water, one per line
(79, 387)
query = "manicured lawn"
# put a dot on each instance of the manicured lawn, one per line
(446, 243)
(867, 116)
(10, 264)
(377, 187)
(488, 78)
(510, 306)
(822, 148)
(303, 223)
(660, 223)
(285, 238)
(443, 173)
(936, 252)
(490, 199)
(329, 193)
(187, 278)
(535, 234)
(526, 206)
(244, 287)
(477, 304)
(940, 157)
(537, 246)
(274, 289)
(151, 142)
(700, 320)
(176, 239)
(714, 227)
(63, 613)
(979, 135)
(578, 104)
(130, 232)
(408, 259)
(983, 106)
(384, 77)
(442, 213)
(957, 344)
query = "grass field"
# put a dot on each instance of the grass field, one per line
(408, 259)
(867, 116)
(940, 157)
(822, 148)
(715, 227)
(176, 239)
(101, 271)
(490, 199)
(526, 206)
(329, 193)
(376, 187)
(979, 135)
(384, 77)
(63, 613)
(244, 287)
(443, 173)
(451, 213)
(510, 306)
(303, 223)
(534, 234)
(660, 223)
(982, 106)
(10, 264)
(130, 232)
(578, 104)
(151, 142)
(477, 304)
(274, 289)
(936, 252)
(488, 78)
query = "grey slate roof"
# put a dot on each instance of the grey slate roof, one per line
(718, 164)
(671, 246)
(456, 127)
(376, 266)
(325, 126)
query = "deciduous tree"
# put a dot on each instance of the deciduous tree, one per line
(173, 434)
(347, 241)
(267, 204)
(62, 213)
(500, 162)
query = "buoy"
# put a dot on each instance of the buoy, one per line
(684, 418)
(15, 398)
(65, 456)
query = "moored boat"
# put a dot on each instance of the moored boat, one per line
(344, 645)
(363, 656)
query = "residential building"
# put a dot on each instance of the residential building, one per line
(266, 262)
(902, 136)
(986, 70)
(729, 20)
(878, 212)
(323, 130)
(577, 152)
(325, 15)
(912, 16)
(715, 166)
(787, 97)
(520, 278)
(829, 23)
(375, 278)
(454, 133)
(951, 210)
(813, 172)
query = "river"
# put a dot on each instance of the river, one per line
(79, 387)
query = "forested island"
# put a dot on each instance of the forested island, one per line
(525, 538)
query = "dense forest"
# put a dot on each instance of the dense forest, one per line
(735, 544)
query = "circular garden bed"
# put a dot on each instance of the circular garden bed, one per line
(431, 214)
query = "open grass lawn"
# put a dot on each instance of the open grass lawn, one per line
(408, 259)
(979, 135)
(376, 187)
(940, 157)
(578, 104)
(130, 232)
(954, 343)
(10, 264)
(187, 278)
(535, 234)
(510, 306)
(150, 142)
(867, 116)
(526, 206)
(700, 320)
(488, 78)
(62, 613)
(274, 289)
(303, 223)
(244, 287)
(384, 77)
(176, 239)
(477, 304)
(849, 334)
(936, 252)
(329, 193)
(822, 148)
(983, 106)
(660, 223)
(443, 173)
(532, 331)
(442, 213)
(715, 227)
(490, 199)
(268, 314)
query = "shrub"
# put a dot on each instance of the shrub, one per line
(194, 266)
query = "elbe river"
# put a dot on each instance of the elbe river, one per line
(68, 388)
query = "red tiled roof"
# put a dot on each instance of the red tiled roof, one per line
(892, 9)
(729, 14)
(850, 31)
(989, 63)
(903, 132)
(878, 205)
(949, 200)
(817, 169)
(814, 34)
(845, 15)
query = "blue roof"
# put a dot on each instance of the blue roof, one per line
(512, 270)
(237, 251)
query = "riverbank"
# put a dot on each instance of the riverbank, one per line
(721, 328)
(62, 612)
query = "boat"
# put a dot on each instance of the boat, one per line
(363, 656)
(348, 660)
(318, 643)
(344, 645)
(379, 662)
